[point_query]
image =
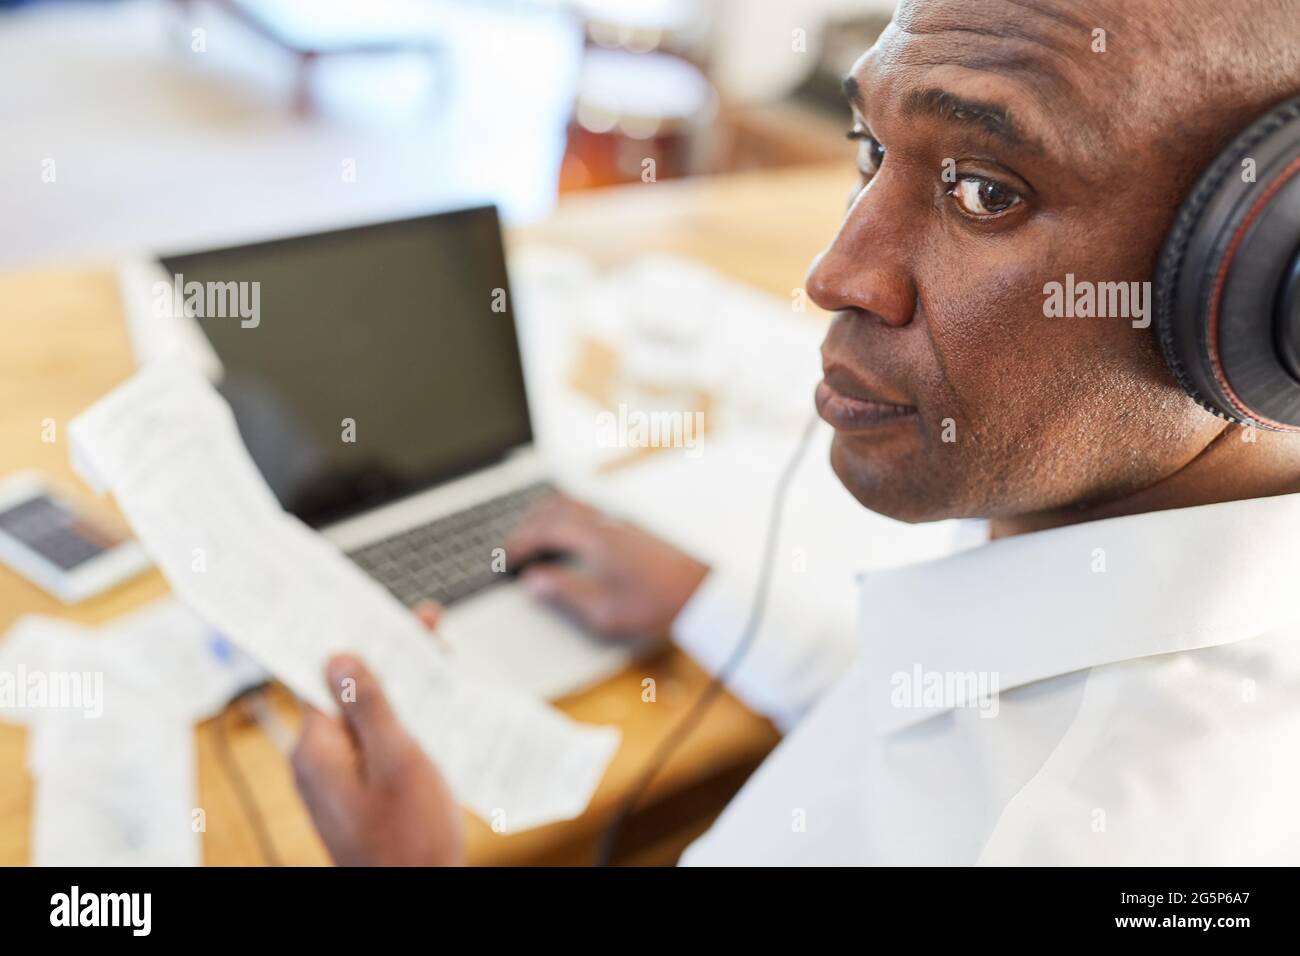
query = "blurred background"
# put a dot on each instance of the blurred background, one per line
(175, 124)
(665, 171)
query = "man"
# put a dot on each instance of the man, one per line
(1116, 677)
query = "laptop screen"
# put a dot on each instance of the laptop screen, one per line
(365, 364)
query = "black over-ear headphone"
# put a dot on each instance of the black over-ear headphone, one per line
(1227, 287)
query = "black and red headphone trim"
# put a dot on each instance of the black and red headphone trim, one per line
(1227, 285)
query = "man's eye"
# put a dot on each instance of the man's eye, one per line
(983, 198)
(870, 152)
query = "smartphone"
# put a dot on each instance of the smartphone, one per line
(58, 545)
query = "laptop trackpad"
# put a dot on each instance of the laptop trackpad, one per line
(504, 635)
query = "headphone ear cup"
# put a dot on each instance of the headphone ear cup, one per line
(1224, 275)
(1177, 330)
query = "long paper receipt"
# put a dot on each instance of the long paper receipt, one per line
(166, 445)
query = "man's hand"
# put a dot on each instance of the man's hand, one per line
(374, 796)
(620, 580)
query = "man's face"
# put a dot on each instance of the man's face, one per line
(1001, 150)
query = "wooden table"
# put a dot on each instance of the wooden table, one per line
(63, 344)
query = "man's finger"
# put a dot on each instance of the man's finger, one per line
(325, 765)
(579, 593)
(579, 537)
(558, 509)
(379, 736)
(428, 613)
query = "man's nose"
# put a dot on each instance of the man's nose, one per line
(866, 268)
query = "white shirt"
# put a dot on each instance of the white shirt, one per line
(1147, 707)
(708, 507)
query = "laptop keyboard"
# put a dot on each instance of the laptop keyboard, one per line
(450, 558)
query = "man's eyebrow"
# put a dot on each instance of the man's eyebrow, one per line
(989, 118)
(992, 119)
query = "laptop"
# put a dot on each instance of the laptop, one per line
(378, 384)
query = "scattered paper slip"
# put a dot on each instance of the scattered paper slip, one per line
(110, 713)
(114, 791)
(167, 447)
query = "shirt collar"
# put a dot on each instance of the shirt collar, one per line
(940, 634)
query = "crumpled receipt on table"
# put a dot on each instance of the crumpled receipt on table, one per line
(111, 755)
(166, 445)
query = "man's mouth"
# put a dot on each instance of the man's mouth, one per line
(848, 404)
